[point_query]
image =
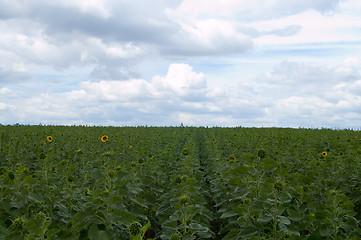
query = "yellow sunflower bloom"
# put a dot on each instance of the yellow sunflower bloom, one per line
(324, 154)
(104, 138)
(49, 138)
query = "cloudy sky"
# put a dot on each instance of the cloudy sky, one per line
(166, 62)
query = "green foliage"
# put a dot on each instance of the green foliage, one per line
(179, 183)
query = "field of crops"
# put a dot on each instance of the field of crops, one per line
(77, 182)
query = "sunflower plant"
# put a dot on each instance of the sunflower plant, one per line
(104, 138)
(137, 231)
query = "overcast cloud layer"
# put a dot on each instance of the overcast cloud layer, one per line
(196, 62)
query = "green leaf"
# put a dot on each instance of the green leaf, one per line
(263, 219)
(239, 197)
(204, 235)
(229, 214)
(126, 217)
(294, 215)
(248, 232)
(284, 220)
(29, 180)
(145, 228)
(291, 229)
(138, 202)
(285, 197)
(239, 170)
(231, 235)
(52, 233)
(175, 216)
(351, 223)
(15, 236)
(198, 227)
(3, 231)
(326, 230)
(94, 233)
(188, 236)
(348, 207)
(269, 165)
(34, 197)
(82, 219)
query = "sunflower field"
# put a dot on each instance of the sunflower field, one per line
(77, 182)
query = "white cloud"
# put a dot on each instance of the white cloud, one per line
(37, 49)
(119, 100)
(112, 50)
(13, 74)
(5, 95)
(6, 92)
(311, 95)
(97, 7)
(253, 9)
(4, 106)
(315, 27)
(117, 90)
(181, 81)
(206, 37)
(293, 94)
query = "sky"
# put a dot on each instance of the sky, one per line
(250, 63)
